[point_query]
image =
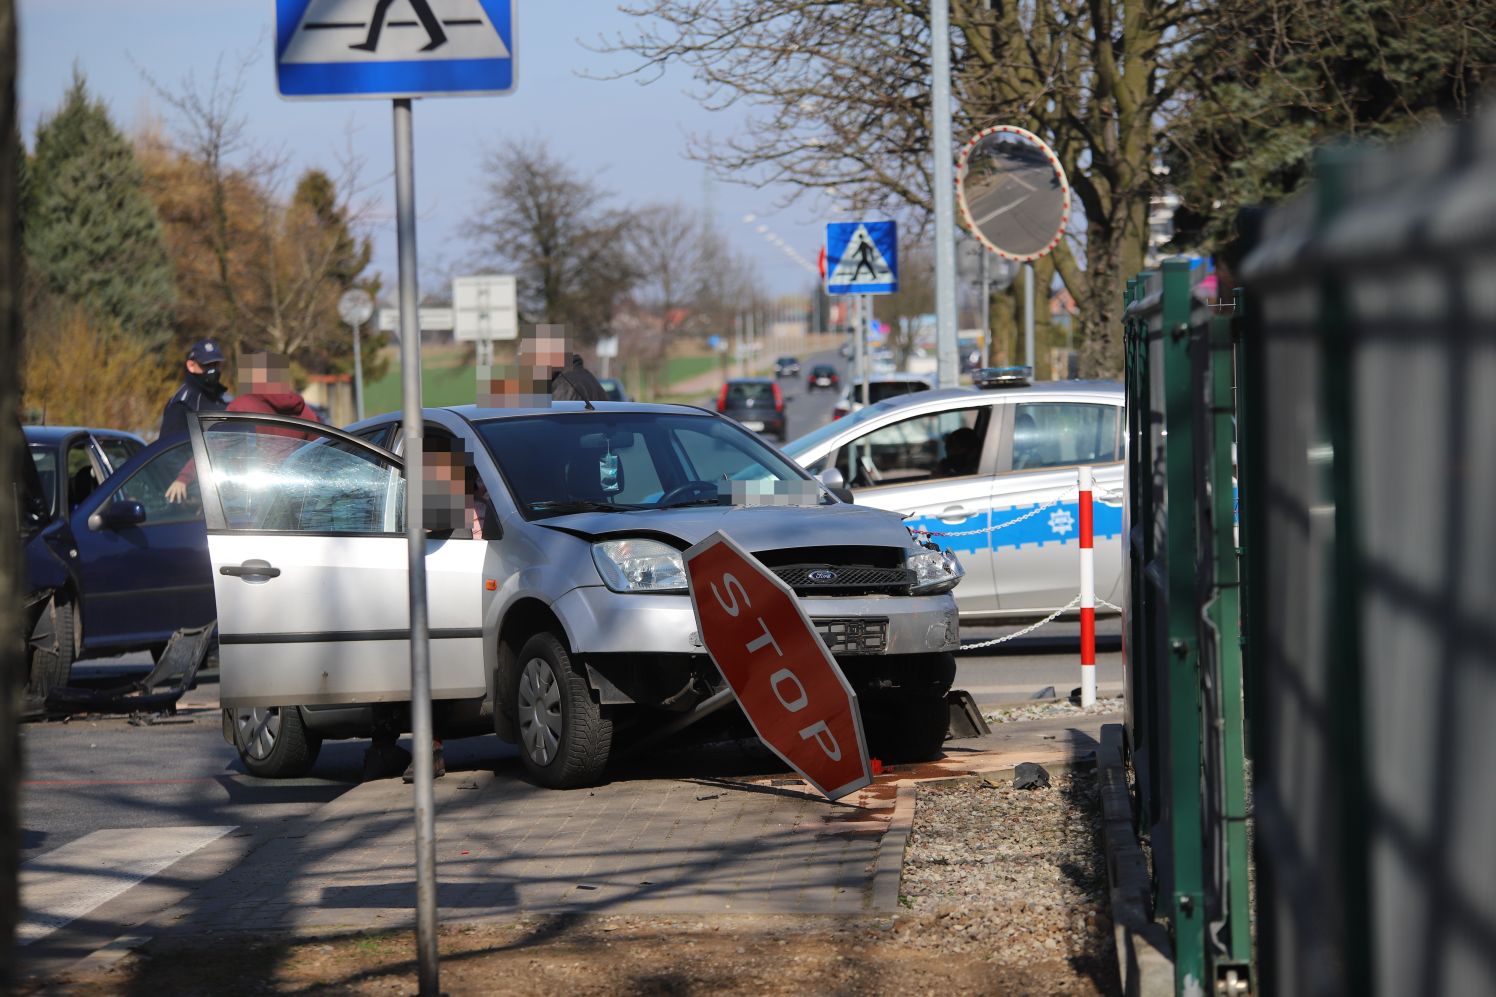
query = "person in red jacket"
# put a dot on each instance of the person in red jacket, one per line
(268, 378)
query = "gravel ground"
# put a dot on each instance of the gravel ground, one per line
(1016, 876)
(1052, 708)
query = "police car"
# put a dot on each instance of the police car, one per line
(963, 460)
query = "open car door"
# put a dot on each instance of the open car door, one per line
(306, 537)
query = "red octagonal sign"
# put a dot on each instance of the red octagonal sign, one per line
(788, 684)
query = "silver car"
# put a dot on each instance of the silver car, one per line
(961, 460)
(567, 625)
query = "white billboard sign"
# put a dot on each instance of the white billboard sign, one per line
(485, 308)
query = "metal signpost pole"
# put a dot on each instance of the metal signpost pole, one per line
(986, 279)
(948, 363)
(859, 349)
(415, 534)
(358, 372)
(1028, 318)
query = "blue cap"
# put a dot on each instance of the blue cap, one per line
(206, 351)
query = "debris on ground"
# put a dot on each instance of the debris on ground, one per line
(1030, 775)
(1049, 710)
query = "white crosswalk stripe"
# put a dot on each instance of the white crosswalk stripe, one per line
(69, 882)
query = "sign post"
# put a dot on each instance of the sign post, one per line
(352, 48)
(862, 259)
(948, 364)
(355, 307)
(789, 686)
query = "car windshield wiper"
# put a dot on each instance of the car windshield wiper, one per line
(681, 503)
(577, 505)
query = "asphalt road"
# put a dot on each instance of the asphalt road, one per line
(1018, 207)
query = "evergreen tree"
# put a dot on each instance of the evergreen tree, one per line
(1285, 76)
(92, 235)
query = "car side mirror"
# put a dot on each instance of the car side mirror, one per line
(117, 514)
(832, 478)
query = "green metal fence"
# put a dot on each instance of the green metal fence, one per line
(1354, 376)
(1184, 678)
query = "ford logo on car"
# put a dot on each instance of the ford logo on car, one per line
(822, 575)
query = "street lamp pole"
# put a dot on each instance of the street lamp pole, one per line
(944, 190)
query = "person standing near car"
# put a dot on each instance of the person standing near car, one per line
(270, 392)
(202, 388)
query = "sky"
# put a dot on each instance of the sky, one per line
(631, 138)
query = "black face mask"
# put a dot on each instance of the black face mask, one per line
(210, 380)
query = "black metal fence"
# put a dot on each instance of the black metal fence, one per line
(1369, 489)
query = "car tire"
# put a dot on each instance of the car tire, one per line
(50, 666)
(273, 741)
(564, 736)
(909, 729)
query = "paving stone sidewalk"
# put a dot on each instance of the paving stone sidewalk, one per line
(638, 845)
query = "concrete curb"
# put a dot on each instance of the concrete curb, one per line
(889, 867)
(1144, 953)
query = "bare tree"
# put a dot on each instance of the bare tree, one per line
(840, 105)
(278, 261)
(556, 231)
(666, 242)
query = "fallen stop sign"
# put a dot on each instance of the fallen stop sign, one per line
(768, 651)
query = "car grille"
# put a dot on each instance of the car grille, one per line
(844, 579)
(840, 570)
(853, 635)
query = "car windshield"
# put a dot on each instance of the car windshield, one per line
(742, 392)
(622, 461)
(46, 467)
(877, 391)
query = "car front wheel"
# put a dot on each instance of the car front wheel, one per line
(273, 741)
(564, 735)
(53, 647)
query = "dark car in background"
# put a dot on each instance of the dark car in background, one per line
(786, 366)
(615, 389)
(114, 567)
(822, 375)
(756, 402)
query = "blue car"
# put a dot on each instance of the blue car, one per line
(112, 565)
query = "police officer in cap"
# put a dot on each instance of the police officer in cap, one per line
(202, 388)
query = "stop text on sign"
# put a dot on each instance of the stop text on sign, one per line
(788, 684)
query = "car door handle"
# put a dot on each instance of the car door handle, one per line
(251, 569)
(954, 514)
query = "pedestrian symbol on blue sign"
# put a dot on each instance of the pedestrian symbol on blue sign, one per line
(394, 48)
(862, 258)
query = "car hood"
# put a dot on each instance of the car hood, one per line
(754, 528)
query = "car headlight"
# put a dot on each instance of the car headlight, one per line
(935, 571)
(639, 566)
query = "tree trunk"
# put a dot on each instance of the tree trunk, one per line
(12, 658)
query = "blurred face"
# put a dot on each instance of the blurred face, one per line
(444, 497)
(527, 382)
(265, 373)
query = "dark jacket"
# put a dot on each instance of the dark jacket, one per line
(192, 395)
(576, 383)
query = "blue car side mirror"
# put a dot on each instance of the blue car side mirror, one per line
(120, 512)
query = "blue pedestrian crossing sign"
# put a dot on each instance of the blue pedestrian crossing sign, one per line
(862, 258)
(394, 48)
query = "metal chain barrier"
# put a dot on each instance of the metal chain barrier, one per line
(1026, 630)
(1102, 602)
(991, 529)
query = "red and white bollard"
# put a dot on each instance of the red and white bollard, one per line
(1087, 595)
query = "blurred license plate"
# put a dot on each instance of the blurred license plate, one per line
(755, 426)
